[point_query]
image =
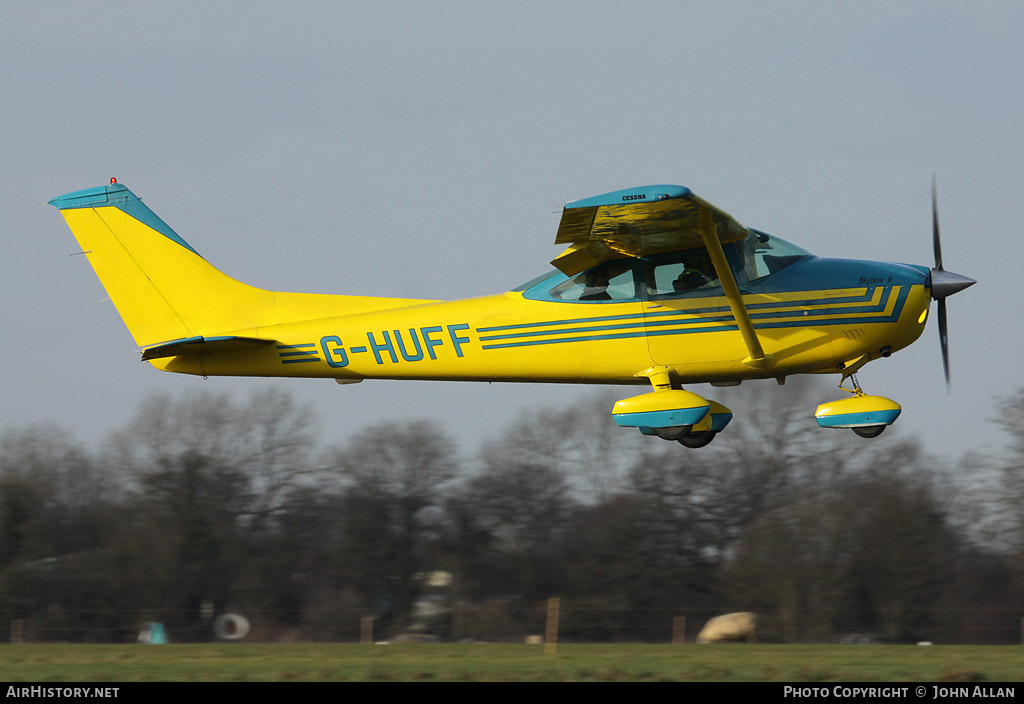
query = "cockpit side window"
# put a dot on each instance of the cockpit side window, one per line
(611, 281)
(688, 273)
(672, 275)
(691, 272)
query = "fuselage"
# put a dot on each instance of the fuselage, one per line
(811, 314)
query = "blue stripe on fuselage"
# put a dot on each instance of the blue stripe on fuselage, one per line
(801, 318)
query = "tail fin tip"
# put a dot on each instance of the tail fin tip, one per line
(118, 196)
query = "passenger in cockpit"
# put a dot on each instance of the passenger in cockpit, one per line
(596, 286)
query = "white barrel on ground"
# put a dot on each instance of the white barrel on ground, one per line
(231, 626)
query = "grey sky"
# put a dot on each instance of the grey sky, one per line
(423, 149)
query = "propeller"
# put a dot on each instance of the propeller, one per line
(944, 284)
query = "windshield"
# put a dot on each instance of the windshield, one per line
(762, 254)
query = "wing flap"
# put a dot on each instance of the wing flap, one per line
(583, 255)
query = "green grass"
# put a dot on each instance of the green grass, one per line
(510, 663)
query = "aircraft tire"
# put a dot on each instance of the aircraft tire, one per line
(698, 439)
(869, 431)
(672, 433)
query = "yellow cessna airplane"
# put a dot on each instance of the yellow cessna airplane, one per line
(657, 286)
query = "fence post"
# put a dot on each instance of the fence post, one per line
(366, 630)
(679, 629)
(17, 626)
(551, 630)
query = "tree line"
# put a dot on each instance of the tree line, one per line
(204, 504)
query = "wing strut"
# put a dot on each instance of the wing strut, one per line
(732, 292)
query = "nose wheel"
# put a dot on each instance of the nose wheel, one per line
(867, 416)
(869, 431)
(864, 431)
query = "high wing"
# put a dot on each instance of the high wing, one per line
(638, 222)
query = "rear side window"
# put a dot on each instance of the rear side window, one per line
(611, 282)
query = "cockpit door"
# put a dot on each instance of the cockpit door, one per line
(684, 307)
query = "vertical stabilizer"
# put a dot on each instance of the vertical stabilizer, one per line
(161, 286)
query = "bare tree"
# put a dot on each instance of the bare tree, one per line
(64, 487)
(208, 476)
(520, 501)
(394, 479)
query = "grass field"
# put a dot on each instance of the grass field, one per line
(489, 662)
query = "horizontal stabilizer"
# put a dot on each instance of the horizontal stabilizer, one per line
(203, 345)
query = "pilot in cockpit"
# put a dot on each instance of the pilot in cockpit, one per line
(698, 271)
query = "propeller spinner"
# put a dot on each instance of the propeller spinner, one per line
(944, 284)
